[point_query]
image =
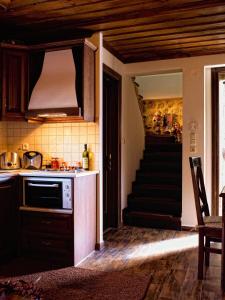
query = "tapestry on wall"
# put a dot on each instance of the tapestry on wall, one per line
(163, 116)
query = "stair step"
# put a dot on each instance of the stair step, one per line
(164, 147)
(146, 219)
(162, 156)
(158, 177)
(167, 166)
(155, 190)
(159, 139)
(155, 205)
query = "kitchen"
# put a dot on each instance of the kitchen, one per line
(64, 224)
(134, 31)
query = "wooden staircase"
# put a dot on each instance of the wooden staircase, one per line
(156, 196)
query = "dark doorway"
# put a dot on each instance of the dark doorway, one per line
(111, 148)
(218, 77)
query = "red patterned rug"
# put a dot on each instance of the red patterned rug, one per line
(76, 283)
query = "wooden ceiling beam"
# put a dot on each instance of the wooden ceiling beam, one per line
(55, 9)
(175, 48)
(180, 42)
(188, 34)
(167, 27)
(146, 56)
(115, 18)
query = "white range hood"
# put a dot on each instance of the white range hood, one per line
(54, 94)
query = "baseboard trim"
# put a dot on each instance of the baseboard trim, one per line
(99, 246)
(188, 228)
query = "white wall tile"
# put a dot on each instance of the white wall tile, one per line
(64, 140)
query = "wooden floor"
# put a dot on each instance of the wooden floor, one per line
(168, 257)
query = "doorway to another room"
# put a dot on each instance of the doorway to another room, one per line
(111, 149)
(156, 196)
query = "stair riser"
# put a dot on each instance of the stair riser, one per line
(164, 148)
(159, 140)
(162, 158)
(150, 221)
(174, 210)
(156, 167)
(156, 193)
(158, 206)
(157, 180)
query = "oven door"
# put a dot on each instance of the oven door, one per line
(43, 193)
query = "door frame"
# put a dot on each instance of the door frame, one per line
(215, 137)
(114, 75)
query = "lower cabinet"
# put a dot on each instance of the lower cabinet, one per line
(8, 217)
(47, 236)
(64, 239)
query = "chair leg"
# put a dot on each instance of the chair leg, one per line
(200, 254)
(207, 253)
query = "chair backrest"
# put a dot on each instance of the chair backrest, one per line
(199, 189)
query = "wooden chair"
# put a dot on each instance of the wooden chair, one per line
(209, 227)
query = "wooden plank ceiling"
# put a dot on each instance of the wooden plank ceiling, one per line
(134, 30)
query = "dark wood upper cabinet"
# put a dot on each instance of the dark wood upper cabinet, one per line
(84, 58)
(14, 83)
(20, 70)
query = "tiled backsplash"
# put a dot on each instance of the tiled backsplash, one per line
(3, 137)
(63, 140)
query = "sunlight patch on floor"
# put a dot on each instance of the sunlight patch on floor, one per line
(164, 247)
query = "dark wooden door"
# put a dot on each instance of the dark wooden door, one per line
(14, 84)
(8, 194)
(111, 149)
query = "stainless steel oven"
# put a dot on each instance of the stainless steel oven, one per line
(47, 193)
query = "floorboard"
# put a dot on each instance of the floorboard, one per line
(168, 257)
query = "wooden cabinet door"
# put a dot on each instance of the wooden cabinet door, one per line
(14, 84)
(8, 192)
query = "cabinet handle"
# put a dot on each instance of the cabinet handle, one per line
(46, 243)
(5, 187)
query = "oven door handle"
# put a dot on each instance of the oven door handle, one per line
(54, 185)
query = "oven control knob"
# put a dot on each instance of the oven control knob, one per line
(67, 195)
(67, 187)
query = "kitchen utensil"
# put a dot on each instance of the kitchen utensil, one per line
(9, 161)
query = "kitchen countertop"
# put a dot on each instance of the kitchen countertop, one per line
(26, 172)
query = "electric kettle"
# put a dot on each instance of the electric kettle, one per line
(32, 160)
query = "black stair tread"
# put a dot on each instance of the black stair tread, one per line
(162, 173)
(158, 178)
(166, 167)
(163, 147)
(154, 138)
(152, 199)
(146, 219)
(153, 205)
(156, 186)
(154, 215)
(161, 163)
(161, 155)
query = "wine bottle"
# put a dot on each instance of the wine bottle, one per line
(85, 158)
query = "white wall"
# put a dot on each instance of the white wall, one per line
(193, 109)
(132, 143)
(96, 39)
(133, 137)
(161, 86)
